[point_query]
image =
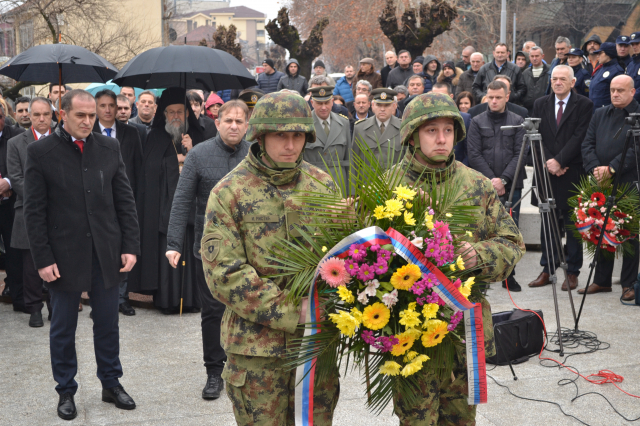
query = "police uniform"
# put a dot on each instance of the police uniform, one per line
(583, 78)
(248, 212)
(599, 92)
(382, 138)
(633, 69)
(331, 151)
(627, 59)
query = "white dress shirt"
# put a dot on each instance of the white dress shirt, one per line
(564, 106)
(113, 129)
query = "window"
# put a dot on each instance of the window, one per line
(195, 25)
(208, 22)
(260, 33)
(189, 25)
(29, 91)
(26, 35)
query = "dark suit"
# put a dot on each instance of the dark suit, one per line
(563, 143)
(142, 131)
(130, 149)
(13, 257)
(80, 214)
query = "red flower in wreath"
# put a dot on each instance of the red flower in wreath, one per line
(594, 213)
(624, 233)
(610, 225)
(619, 215)
(599, 198)
(581, 215)
(611, 249)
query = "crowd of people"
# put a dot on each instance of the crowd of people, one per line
(108, 193)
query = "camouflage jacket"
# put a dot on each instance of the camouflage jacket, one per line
(247, 212)
(497, 239)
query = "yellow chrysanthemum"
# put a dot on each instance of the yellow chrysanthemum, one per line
(429, 311)
(411, 368)
(452, 266)
(394, 206)
(404, 193)
(428, 221)
(408, 219)
(415, 333)
(410, 355)
(390, 368)
(379, 213)
(409, 205)
(412, 306)
(345, 294)
(465, 291)
(406, 276)
(409, 318)
(375, 316)
(406, 340)
(346, 323)
(357, 315)
(470, 282)
(460, 263)
(470, 234)
(436, 330)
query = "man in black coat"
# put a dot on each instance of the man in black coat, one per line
(601, 154)
(13, 258)
(565, 117)
(500, 66)
(131, 151)
(123, 115)
(81, 222)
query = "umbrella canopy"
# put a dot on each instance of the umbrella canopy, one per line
(50, 63)
(189, 67)
(94, 88)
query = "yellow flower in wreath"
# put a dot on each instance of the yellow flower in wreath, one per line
(436, 331)
(406, 276)
(405, 343)
(375, 316)
(404, 193)
(390, 368)
(410, 318)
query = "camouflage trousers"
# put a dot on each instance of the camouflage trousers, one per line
(444, 402)
(262, 392)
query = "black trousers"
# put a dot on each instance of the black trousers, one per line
(574, 246)
(604, 269)
(13, 257)
(62, 335)
(211, 314)
(32, 284)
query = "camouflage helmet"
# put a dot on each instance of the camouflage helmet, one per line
(281, 112)
(426, 107)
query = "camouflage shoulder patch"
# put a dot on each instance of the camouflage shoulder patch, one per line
(210, 245)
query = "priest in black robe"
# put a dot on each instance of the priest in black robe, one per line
(164, 150)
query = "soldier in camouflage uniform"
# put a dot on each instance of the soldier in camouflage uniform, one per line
(431, 126)
(247, 212)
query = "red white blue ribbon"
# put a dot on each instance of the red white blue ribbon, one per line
(476, 365)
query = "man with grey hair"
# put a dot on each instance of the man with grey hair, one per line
(402, 92)
(465, 83)
(563, 45)
(465, 63)
(526, 47)
(535, 78)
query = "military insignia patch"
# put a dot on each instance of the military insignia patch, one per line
(633, 36)
(587, 83)
(606, 74)
(210, 246)
(383, 95)
(322, 92)
(254, 98)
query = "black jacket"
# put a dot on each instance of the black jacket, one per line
(516, 109)
(563, 143)
(130, 149)
(494, 152)
(76, 203)
(465, 84)
(384, 73)
(142, 131)
(489, 71)
(536, 87)
(7, 133)
(601, 149)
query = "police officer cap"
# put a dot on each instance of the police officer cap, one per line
(321, 93)
(634, 37)
(623, 40)
(609, 49)
(575, 52)
(250, 96)
(383, 95)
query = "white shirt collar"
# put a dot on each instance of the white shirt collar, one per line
(40, 135)
(565, 100)
(386, 123)
(113, 129)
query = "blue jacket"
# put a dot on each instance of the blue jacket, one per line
(269, 83)
(626, 61)
(583, 80)
(633, 71)
(599, 88)
(460, 149)
(343, 88)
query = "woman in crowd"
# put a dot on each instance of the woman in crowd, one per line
(464, 101)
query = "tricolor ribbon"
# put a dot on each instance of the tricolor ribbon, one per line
(476, 367)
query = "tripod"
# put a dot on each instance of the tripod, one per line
(543, 191)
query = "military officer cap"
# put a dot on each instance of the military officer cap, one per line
(609, 49)
(321, 93)
(250, 96)
(634, 37)
(623, 40)
(575, 52)
(383, 95)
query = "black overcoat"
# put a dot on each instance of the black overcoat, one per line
(79, 202)
(130, 149)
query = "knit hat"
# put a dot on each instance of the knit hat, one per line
(269, 62)
(449, 64)
(319, 63)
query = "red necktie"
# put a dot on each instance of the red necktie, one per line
(80, 144)
(559, 117)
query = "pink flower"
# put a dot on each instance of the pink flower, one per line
(352, 267)
(384, 255)
(334, 272)
(374, 248)
(457, 283)
(367, 272)
(357, 252)
(433, 249)
(430, 280)
(367, 336)
(381, 267)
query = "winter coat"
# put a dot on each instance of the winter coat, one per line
(453, 81)
(536, 87)
(399, 75)
(490, 70)
(583, 80)
(293, 82)
(430, 80)
(587, 63)
(343, 88)
(599, 92)
(372, 77)
(384, 73)
(494, 152)
(633, 71)
(465, 82)
(268, 83)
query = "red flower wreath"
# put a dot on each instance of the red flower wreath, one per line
(599, 198)
(594, 213)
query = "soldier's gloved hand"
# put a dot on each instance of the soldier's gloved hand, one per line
(469, 255)
(173, 257)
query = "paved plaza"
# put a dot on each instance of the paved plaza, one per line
(162, 360)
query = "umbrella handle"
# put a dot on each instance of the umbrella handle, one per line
(59, 91)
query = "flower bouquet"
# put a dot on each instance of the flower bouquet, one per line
(391, 302)
(589, 209)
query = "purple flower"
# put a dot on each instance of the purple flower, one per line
(433, 249)
(366, 272)
(381, 267)
(352, 267)
(455, 320)
(419, 287)
(367, 336)
(430, 280)
(457, 283)
(385, 344)
(374, 248)
(421, 300)
(384, 255)
(357, 252)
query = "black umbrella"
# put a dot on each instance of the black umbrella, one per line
(59, 63)
(189, 67)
